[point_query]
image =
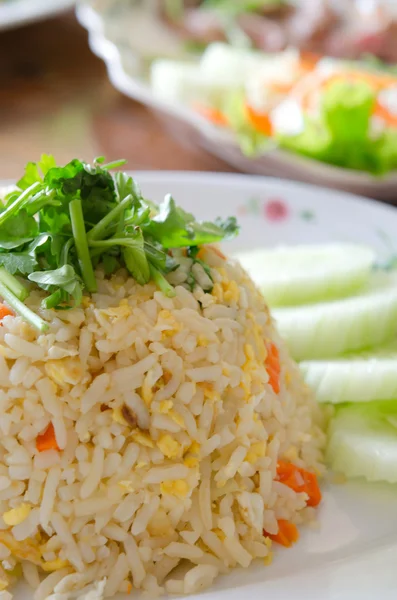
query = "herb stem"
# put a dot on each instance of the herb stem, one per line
(122, 241)
(80, 241)
(161, 282)
(114, 165)
(13, 285)
(100, 228)
(18, 202)
(22, 309)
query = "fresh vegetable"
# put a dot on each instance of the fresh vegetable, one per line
(299, 480)
(358, 377)
(287, 534)
(329, 329)
(250, 139)
(273, 367)
(363, 441)
(212, 114)
(61, 222)
(47, 440)
(339, 112)
(4, 311)
(299, 274)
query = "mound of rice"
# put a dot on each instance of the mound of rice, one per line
(168, 436)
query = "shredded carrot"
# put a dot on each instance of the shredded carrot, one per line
(376, 81)
(5, 311)
(212, 114)
(299, 480)
(260, 121)
(287, 534)
(47, 440)
(308, 60)
(273, 368)
(382, 112)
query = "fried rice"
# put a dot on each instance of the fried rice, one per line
(168, 433)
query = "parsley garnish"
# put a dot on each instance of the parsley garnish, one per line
(62, 222)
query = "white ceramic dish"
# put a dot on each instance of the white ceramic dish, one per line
(15, 13)
(124, 35)
(353, 553)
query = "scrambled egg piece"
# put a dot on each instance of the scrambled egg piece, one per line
(26, 550)
(17, 515)
(210, 393)
(165, 406)
(64, 370)
(231, 291)
(172, 324)
(169, 447)
(118, 312)
(143, 439)
(54, 565)
(202, 341)
(191, 459)
(256, 451)
(118, 417)
(217, 292)
(177, 418)
(178, 487)
(191, 462)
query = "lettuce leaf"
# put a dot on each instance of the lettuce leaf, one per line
(341, 135)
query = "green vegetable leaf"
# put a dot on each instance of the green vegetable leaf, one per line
(173, 227)
(65, 278)
(64, 221)
(18, 230)
(46, 162)
(31, 175)
(347, 108)
(19, 263)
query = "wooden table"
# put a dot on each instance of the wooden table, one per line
(55, 97)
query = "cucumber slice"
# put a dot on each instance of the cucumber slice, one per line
(363, 444)
(300, 274)
(220, 61)
(329, 329)
(355, 378)
(187, 83)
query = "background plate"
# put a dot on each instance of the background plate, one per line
(125, 34)
(14, 13)
(352, 555)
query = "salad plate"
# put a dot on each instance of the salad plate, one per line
(15, 13)
(351, 552)
(111, 25)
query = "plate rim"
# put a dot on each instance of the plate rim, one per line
(156, 176)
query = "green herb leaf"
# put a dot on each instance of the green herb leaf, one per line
(172, 227)
(18, 230)
(18, 263)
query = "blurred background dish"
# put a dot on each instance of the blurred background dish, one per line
(136, 69)
(14, 13)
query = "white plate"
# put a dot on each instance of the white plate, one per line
(125, 36)
(14, 13)
(353, 553)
